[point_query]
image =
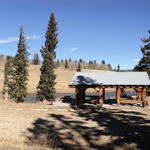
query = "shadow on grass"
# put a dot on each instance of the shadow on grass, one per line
(114, 129)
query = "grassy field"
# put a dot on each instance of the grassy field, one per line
(64, 77)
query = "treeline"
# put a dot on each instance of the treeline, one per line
(34, 61)
(72, 64)
(68, 64)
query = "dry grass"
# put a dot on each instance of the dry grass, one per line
(111, 127)
(64, 77)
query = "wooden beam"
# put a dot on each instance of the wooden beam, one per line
(101, 92)
(139, 96)
(77, 96)
(118, 94)
(144, 102)
(83, 94)
(109, 86)
(144, 94)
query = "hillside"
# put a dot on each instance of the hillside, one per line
(64, 77)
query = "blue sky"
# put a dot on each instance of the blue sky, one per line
(98, 30)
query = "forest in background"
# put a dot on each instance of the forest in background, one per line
(73, 64)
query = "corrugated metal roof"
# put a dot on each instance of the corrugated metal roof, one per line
(111, 78)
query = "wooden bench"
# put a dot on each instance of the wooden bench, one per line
(128, 97)
(132, 102)
(93, 101)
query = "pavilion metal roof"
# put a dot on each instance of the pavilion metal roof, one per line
(110, 78)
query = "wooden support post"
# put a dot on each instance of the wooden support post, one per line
(83, 94)
(144, 103)
(139, 95)
(77, 96)
(101, 92)
(118, 94)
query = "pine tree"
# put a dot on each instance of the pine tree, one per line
(7, 76)
(109, 66)
(66, 64)
(20, 71)
(80, 61)
(79, 67)
(45, 88)
(144, 63)
(103, 62)
(57, 62)
(118, 68)
(69, 60)
(36, 59)
(103, 65)
(123, 93)
(62, 62)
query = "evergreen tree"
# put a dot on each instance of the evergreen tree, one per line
(103, 62)
(109, 66)
(51, 36)
(123, 93)
(57, 62)
(79, 67)
(144, 63)
(69, 60)
(36, 60)
(118, 68)
(66, 64)
(136, 68)
(80, 61)
(62, 62)
(8, 73)
(45, 88)
(103, 65)
(20, 71)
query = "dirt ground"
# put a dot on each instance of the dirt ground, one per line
(59, 126)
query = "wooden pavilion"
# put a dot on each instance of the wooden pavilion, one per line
(139, 81)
